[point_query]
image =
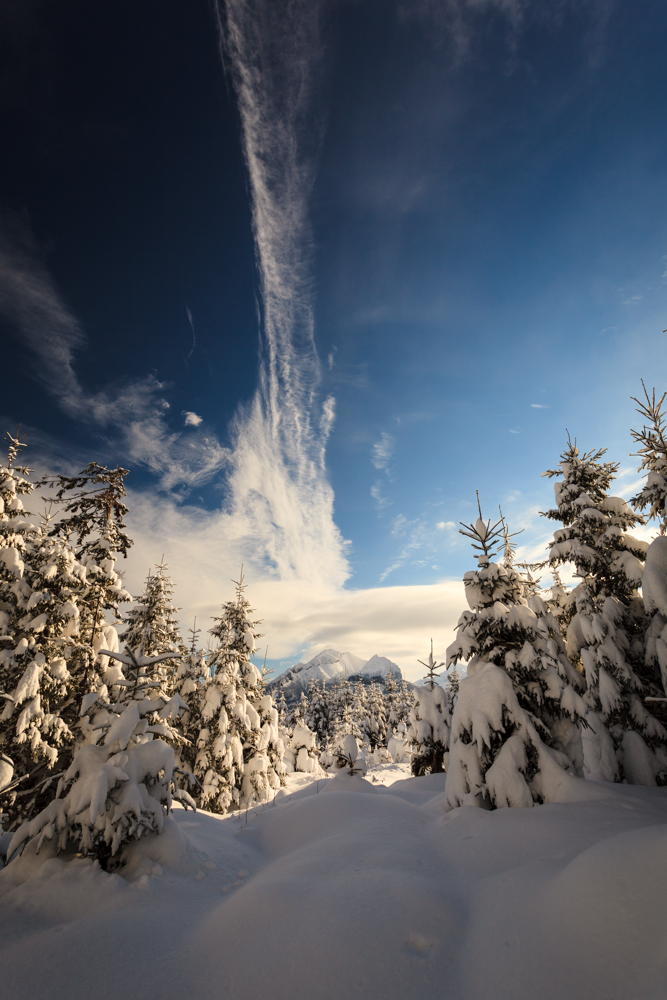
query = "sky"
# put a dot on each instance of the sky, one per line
(316, 271)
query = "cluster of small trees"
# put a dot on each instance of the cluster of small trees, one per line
(567, 684)
(372, 713)
(96, 742)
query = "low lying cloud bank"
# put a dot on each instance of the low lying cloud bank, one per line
(300, 616)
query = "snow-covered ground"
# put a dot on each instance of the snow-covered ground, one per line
(347, 888)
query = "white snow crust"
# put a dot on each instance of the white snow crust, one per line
(376, 891)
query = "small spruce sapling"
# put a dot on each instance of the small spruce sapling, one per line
(428, 733)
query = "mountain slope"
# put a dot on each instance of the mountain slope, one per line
(330, 665)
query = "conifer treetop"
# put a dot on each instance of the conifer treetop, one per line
(485, 537)
(90, 508)
(594, 538)
(652, 439)
(194, 633)
(585, 478)
(15, 444)
(431, 666)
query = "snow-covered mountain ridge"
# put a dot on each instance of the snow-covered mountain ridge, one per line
(330, 665)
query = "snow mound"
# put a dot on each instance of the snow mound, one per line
(356, 895)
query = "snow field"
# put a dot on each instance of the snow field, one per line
(370, 890)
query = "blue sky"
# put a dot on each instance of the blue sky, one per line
(388, 254)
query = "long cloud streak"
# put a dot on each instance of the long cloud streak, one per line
(278, 484)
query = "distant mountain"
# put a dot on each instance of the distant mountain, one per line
(330, 665)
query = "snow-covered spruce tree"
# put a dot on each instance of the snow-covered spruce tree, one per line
(37, 729)
(318, 712)
(281, 705)
(152, 626)
(189, 679)
(605, 631)
(652, 441)
(299, 714)
(652, 499)
(360, 710)
(376, 716)
(92, 522)
(119, 785)
(40, 585)
(502, 745)
(346, 722)
(406, 700)
(428, 732)
(240, 747)
(392, 702)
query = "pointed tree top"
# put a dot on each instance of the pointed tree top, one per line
(431, 666)
(15, 444)
(485, 536)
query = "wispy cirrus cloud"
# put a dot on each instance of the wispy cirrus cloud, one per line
(382, 451)
(279, 495)
(457, 21)
(135, 409)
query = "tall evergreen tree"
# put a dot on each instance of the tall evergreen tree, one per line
(41, 583)
(152, 626)
(376, 725)
(188, 682)
(605, 633)
(240, 741)
(652, 498)
(652, 441)
(119, 785)
(318, 715)
(502, 746)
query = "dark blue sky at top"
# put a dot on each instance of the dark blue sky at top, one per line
(489, 221)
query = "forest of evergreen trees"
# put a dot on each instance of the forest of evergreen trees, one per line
(107, 715)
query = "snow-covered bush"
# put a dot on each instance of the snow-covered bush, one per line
(302, 755)
(398, 748)
(348, 756)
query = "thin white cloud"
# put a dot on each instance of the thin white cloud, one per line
(538, 406)
(135, 409)
(279, 497)
(457, 21)
(192, 419)
(383, 450)
(381, 501)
